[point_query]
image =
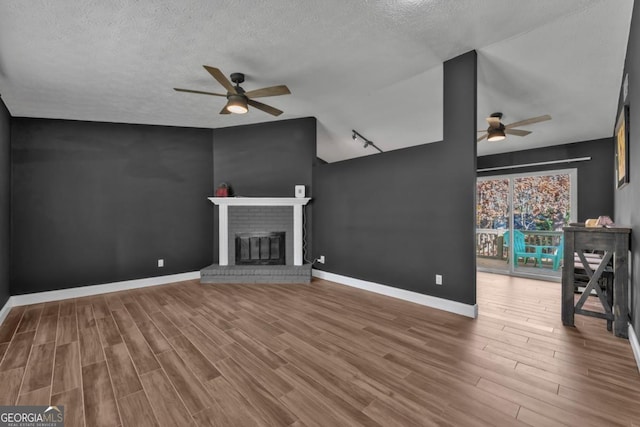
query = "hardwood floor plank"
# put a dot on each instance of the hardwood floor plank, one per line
(196, 361)
(47, 329)
(194, 395)
(154, 337)
(40, 368)
(262, 352)
(67, 328)
(124, 378)
(3, 350)
(11, 381)
(167, 406)
(100, 308)
(73, 407)
(114, 301)
(67, 308)
(230, 408)
(142, 356)
(67, 372)
(165, 325)
(137, 313)
(204, 344)
(269, 378)
(90, 346)
(136, 410)
(99, 403)
(109, 333)
(85, 315)
(17, 354)
(271, 411)
(36, 397)
(51, 308)
(10, 324)
(30, 319)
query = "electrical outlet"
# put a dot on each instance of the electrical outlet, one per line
(160, 263)
(438, 279)
(321, 259)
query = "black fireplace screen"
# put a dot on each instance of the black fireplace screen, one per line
(260, 248)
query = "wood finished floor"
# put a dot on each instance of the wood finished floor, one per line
(318, 355)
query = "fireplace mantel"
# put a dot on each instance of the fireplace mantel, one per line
(225, 202)
(259, 201)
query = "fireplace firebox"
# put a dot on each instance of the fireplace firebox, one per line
(262, 248)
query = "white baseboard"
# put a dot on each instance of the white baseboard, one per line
(84, 291)
(426, 300)
(5, 310)
(635, 345)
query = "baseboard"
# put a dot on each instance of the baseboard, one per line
(635, 345)
(5, 310)
(84, 291)
(426, 300)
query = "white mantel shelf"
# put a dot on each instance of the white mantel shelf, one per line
(223, 221)
(259, 201)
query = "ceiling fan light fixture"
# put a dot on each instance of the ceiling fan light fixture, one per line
(237, 104)
(496, 135)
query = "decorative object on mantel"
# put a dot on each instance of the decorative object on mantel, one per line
(622, 147)
(222, 190)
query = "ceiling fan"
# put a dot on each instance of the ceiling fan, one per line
(238, 99)
(497, 131)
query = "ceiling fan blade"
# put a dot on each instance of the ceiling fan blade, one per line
(494, 122)
(530, 121)
(482, 137)
(221, 78)
(518, 132)
(268, 91)
(198, 91)
(264, 107)
(224, 110)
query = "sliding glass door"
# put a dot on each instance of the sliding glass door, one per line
(520, 219)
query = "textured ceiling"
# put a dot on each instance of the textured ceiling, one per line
(373, 66)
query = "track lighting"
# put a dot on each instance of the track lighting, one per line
(355, 135)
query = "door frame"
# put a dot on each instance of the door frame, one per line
(573, 181)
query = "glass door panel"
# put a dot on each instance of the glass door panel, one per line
(541, 207)
(492, 223)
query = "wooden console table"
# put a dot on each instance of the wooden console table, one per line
(614, 242)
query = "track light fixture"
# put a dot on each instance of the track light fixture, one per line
(355, 135)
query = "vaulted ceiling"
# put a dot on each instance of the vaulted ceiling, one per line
(373, 66)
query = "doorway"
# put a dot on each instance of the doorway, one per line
(519, 222)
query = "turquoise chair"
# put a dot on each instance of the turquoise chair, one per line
(556, 255)
(520, 249)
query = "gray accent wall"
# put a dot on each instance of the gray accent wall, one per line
(595, 197)
(627, 198)
(265, 160)
(5, 203)
(102, 202)
(399, 218)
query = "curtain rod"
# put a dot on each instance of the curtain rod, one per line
(526, 165)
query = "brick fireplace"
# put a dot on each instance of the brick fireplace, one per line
(244, 226)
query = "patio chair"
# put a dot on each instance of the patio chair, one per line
(556, 255)
(520, 249)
